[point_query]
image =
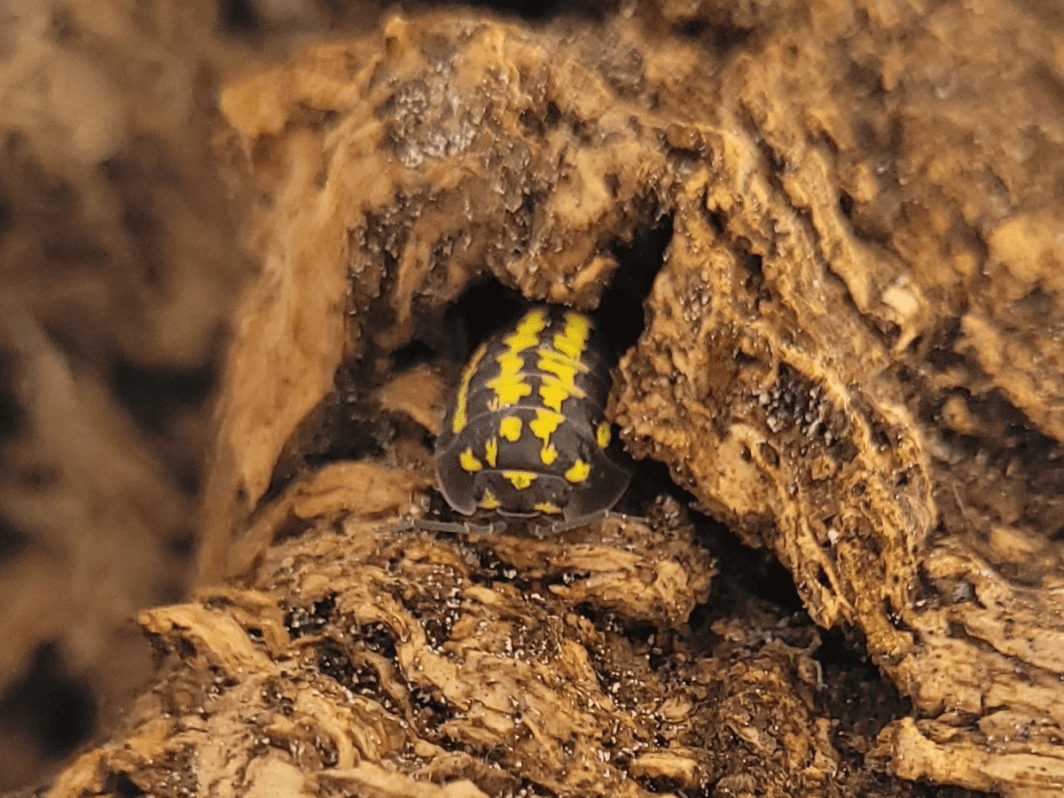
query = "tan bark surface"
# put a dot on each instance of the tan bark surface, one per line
(852, 357)
(118, 272)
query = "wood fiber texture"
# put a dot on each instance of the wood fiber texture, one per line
(852, 358)
(118, 271)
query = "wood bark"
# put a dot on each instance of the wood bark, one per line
(852, 358)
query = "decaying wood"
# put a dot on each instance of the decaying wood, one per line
(118, 269)
(852, 358)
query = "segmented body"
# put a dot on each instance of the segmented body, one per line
(525, 435)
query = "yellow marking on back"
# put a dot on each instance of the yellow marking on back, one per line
(542, 426)
(510, 428)
(563, 362)
(560, 365)
(520, 479)
(509, 362)
(461, 417)
(527, 329)
(572, 340)
(509, 389)
(488, 501)
(508, 385)
(468, 461)
(491, 451)
(578, 472)
(548, 507)
(602, 434)
(553, 392)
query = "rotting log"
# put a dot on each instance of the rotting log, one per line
(851, 358)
